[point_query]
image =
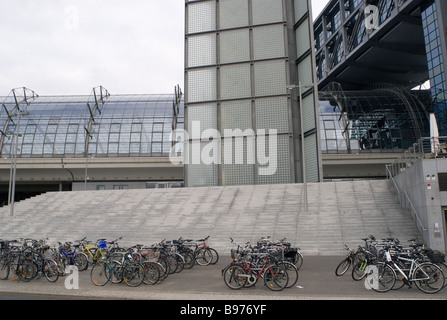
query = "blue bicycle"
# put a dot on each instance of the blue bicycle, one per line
(69, 254)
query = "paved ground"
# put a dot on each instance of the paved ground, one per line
(317, 281)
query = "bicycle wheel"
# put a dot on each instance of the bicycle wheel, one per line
(234, 276)
(50, 270)
(151, 272)
(358, 272)
(164, 269)
(172, 263)
(115, 272)
(204, 256)
(133, 274)
(343, 267)
(292, 272)
(4, 268)
(443, 267)
(81, 261)
(26, 270)
(382, 278)
(60, 262)
(400, 278)
(189, 260)
(215, 256)
(180, 262)
(276, 278)
(99, 274)
(428, 278)
(299, 259)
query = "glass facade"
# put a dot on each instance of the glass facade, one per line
(124, 126)
(236, 78)
(344, 26)
(386, 120)
(436, 67)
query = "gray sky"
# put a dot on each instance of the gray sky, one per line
(63, 47)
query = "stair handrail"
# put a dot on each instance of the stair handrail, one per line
(397, 189)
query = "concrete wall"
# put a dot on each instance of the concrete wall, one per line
(420, 183)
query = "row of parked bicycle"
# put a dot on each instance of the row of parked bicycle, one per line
(276, 261)
(28, 259)
(387, 264)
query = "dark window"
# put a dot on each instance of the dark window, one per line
(442, 182)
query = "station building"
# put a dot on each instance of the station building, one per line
(372, 59)
(343, 95)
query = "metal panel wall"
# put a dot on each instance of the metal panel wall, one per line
(237, 59)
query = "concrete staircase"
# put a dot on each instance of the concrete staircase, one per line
(338, 213)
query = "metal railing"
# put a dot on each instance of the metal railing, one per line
(425, 148)
(405, 200)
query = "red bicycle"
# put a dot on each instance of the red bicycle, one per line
(247, 274)
(203, 254)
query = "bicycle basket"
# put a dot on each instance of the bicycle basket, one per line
(290, 255)
(277, 255)
(102, 244)
(435, 256)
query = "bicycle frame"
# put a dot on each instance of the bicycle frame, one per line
(70, 256)
(116, 266)
(411, 271)
(367, 260)
(259, 270)
(94, 256)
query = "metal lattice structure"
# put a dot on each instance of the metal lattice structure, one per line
(98, 125)
(357, 42)
(384, 119)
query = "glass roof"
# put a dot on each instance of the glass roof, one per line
(380, 120)
(62, 126)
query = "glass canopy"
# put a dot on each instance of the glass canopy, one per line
(65, 126)
(386, 119)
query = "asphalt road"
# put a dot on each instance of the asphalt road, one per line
(317, 281)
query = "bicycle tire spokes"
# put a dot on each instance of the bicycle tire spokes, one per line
(275, 261)
(387, 264)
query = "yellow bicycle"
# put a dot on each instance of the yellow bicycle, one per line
(94, 252)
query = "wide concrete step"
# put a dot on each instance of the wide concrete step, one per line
(338, 213)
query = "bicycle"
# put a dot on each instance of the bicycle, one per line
(247, 274)
(13, 259)
(346, 263)
(292, 272)
(116, 271)
(172, 262)
(203, 254)
(94, 253)
(45, 266)
(435, 257)
(152, 255)
(427, 276)
(72, 256)
(359, 269)
(290, 254)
